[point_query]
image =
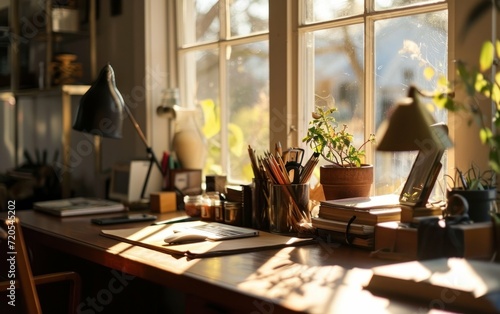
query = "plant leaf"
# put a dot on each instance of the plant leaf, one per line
(429, 73)
(486, 56)
(485, 134)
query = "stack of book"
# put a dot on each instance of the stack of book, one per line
(353, 220)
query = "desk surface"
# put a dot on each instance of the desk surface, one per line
(318, 278)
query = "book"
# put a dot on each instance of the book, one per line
(340, 226)
(358, 240)
(412, 213)
(360, 203)
(448, 283)
(78, 206)
(362, 216)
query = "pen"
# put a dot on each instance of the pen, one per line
(176, 220)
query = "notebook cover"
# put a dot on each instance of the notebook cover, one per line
(152, 237)
(78, 206)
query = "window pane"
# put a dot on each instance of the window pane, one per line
(201, 76)
(403, 48)
(393, 4)
(200, 21)
(338, 75)
(325, 10)
(249, 16)
(248, 106)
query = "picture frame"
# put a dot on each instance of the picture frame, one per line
(186, 181)
(423, 175)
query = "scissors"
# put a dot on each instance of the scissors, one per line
(293, 166)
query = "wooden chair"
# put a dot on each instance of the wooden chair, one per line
(25, 283)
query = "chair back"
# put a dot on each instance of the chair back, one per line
(17, 258)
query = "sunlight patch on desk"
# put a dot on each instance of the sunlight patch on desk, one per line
(119, 248)
(462, 276)
(300, 286)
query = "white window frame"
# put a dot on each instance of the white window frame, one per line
(460, 154)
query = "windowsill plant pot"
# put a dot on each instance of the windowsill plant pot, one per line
(478, 188)
(481, 203)
(344, 182)
(344, 175)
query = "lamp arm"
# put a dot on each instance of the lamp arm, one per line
(136, 125)
(149, 149)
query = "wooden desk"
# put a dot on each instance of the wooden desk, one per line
(314, 278)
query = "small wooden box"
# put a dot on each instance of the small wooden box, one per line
(163, 202)
(400, 238)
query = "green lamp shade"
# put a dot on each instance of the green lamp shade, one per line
(101, 107)
(409, 128)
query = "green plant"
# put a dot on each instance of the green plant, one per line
(473, 179)
(326, 137)
(482, 82)
(478, 83)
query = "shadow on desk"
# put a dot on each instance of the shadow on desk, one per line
(105, 290)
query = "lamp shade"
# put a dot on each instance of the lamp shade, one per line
(101, 107)
(409, 128)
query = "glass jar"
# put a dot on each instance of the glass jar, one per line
(232, 213)
(195, 204)
(208, 213)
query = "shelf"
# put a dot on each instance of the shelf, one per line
(62, 36)
(74, 89)
(23, 82)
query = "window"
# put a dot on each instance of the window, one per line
(362, 54)
(224, 68)
(365, 61)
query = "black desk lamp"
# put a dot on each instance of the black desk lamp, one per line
(101, 113)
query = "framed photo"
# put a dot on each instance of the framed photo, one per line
(423, 176)
(186, 181)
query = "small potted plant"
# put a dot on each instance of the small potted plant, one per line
(478, 188)
(344, 175)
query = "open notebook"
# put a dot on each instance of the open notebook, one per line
(153, 237)
(217, 231)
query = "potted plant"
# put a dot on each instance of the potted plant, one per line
(477, 83)
(478, 188)
(345, 174)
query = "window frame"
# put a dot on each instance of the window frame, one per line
(291, 131)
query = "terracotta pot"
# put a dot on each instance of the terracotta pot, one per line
(346, 182)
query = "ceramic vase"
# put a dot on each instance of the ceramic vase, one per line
(189, 143)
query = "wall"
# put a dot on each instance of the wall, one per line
(121, 41)
(467, 146)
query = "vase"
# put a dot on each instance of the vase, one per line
(188, 142)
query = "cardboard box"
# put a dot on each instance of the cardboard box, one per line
(398, 238)
(163, 202)
(401, 239)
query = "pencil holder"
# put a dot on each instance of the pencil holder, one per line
(289, 208)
